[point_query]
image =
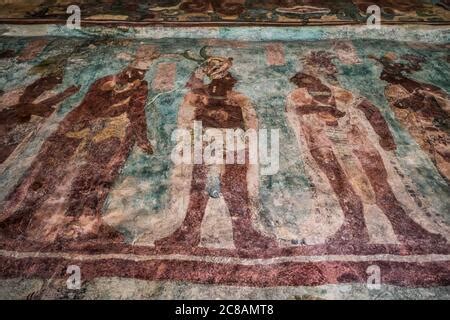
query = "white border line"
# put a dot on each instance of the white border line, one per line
(231, 260)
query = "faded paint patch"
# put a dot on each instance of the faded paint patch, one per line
(165, 77)
(275, 54)
(32, 49)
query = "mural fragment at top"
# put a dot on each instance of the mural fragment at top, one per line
(299, 12)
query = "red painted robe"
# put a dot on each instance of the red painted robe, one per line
(62, 194)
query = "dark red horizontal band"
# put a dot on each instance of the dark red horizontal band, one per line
(283, 274)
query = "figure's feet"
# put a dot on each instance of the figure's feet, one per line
(424, 238)
(252, 239)
(15, 225)
(346, 235)
(181, 237)
(248, 239)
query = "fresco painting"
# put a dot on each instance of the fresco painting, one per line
(87, 178)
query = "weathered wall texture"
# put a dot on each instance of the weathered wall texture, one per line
(86, 176)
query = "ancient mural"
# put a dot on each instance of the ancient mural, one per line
(297, 12)
(87, 178)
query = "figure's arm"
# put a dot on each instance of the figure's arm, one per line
(378, 123)
(38, 87)
(302, 103)
(196, 80)
(56, 99)
(136, 114)
(186, 113)
(309, 109)
(248, 111)
(46, 107)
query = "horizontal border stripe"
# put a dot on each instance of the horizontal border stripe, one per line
(283, 274)
(230, 260)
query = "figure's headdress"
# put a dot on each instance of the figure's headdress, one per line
(215, 67)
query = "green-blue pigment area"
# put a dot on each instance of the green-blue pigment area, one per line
(254, 33)
(267, 87)
(12, 72)
(435, 69)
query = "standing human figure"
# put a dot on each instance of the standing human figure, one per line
(21, 119)
(334, 125)
(218, 106)
(423, 109)
(62, 194)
